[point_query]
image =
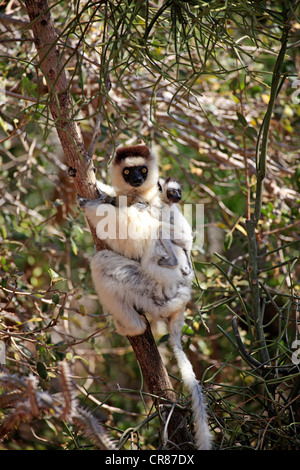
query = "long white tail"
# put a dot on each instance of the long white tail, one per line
(203, 436)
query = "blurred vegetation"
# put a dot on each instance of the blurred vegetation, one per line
(194, 80)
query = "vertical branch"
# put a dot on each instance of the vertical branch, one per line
(247, 178)
(261, 172)
(253, 274)
(262, 163)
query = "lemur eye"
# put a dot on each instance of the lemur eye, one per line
(126, 172)
(144, 170)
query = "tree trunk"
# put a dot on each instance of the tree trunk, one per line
(52, 66)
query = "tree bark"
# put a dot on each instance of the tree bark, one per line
(52, 66)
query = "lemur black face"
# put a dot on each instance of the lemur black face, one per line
(135, 175)
(174, 195)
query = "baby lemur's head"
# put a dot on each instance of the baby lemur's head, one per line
(170, 190)
(134, 170)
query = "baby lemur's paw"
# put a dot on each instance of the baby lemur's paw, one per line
(186, 270)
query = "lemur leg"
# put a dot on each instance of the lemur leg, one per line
(112, 296)
(124, 289)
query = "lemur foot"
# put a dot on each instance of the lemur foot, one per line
(133, 328)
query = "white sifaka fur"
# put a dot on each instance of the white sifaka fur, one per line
(203, 436)
(130, 280)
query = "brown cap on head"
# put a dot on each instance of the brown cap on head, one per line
(131, 151)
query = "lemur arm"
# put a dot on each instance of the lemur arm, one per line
(104, 198)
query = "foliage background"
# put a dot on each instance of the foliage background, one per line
(192, 79)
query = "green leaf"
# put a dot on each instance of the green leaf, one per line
(55, 299)
(234, 84)
(251, 133)
(41, 370)
(29, 87)
(82, 309)
(4, 281)
(228, 240)
(54, 276)
(74, 247)
(241, 119)
(3, 231)
(164, 339)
